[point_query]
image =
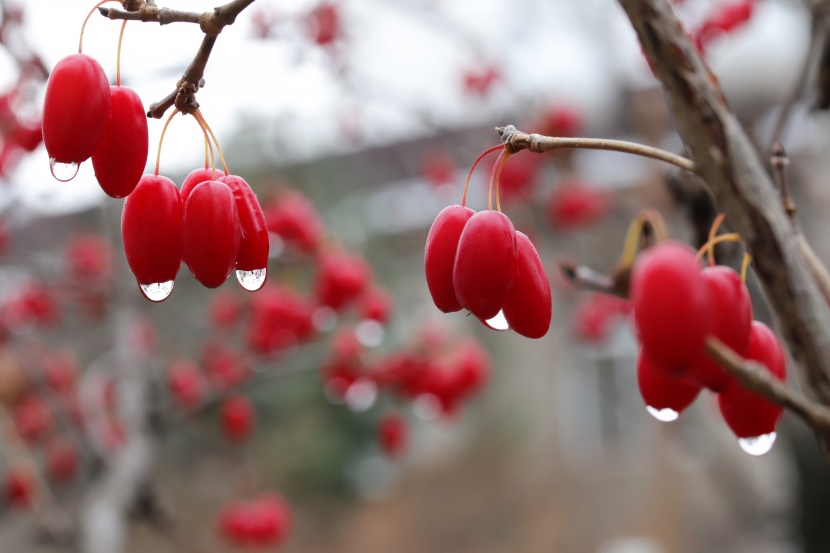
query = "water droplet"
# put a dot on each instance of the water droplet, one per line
(252, 280)
(157, 291)
(663, 415)
(427, 407)
(757, 445)
(361, 395)
(324, 318)
(63, 172)
(498, 322)
(369, 333)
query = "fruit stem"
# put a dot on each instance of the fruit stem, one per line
(470, 174)
(207, 146)
(496, 169)
(161, 139)
(118, 56)
(635, 231)
(83, 26)
(200, 117)
(507, 153)
(713, 231)
(745, 266)
(731, 237)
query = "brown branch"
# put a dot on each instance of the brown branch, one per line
(757, 378)
(726, 159)
(517, 141)
(211, 23)
(586, 278)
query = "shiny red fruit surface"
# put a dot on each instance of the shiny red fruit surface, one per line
(151, 229)
(731, 305)
(196, 177)
(439, 255)
(76, 109)
(745, 412)
(660, 390)
(253, 249)
(527, 307)
(672, 307)
(485, 263)
(211, 233)
(120, 159)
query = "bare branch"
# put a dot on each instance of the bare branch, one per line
(726, 159)
(538, 143)
(755, 377)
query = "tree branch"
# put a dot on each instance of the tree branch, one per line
(755, 377)
(726, 159)
(211, 23)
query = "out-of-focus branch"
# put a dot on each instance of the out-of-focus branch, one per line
(211, 23)
(756, 378)
(725, 158)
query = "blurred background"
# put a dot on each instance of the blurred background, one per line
(338, 404)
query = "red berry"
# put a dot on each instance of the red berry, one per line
(252, 261)
(439, 255)
(151, 229)
(237, 418)
(392, 434)
(518, 176)
(120, 159)
(324, 24)
(32, 418)
(76, 109)
(211, 233)
(595, 314)
(61, 371)
(745, 412)
(196, 177)
(527, 307)
(341, 278)
(186, 384)
(294, 219)
(438, 168)
(225, 310)
(62, 460)
(485, 263)
(376, 304)
(729, 299)
(665, 395)
(20, 487)
(280, 319)
(573, 205)
(672, 307)
(89, 257)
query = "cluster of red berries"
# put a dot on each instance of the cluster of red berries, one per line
(723, 20)
(260, 523)
(20, 136)
(479, 262)
(677, 305)
(214, 225)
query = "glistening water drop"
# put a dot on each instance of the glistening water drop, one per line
(663, 415)
(63, 172)
(157, 291)
(757, 445)
(498, 322)
(252, 280)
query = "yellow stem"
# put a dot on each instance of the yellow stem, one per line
(745, 266)
(731, 237)
(201, 123)
(201, 117)
(470, 174)
(161, 138)
(712, 233)
(503, 158)
(118, 56)
(81, 40)
(635, 230)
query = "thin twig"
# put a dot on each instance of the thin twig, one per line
(757, 378)
(538, 143)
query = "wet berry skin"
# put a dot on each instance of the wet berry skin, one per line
(439, 255)
(527, 307)
(211, 233)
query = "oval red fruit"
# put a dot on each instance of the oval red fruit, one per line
(439, 255)
(671, 305)
(120, 159)
(211, 233)
(729, 300)
(667, 396)
(252, 261)
(527, 307)
(485, 263)
(151, 229)
(76, 109)
(745, 412)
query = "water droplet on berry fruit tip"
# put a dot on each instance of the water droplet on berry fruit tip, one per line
(252, 280)
(499, 322)
(157, 291)
(63, 172)
(758, 445)
(369, 333)
(361, 395)
(663, 415)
